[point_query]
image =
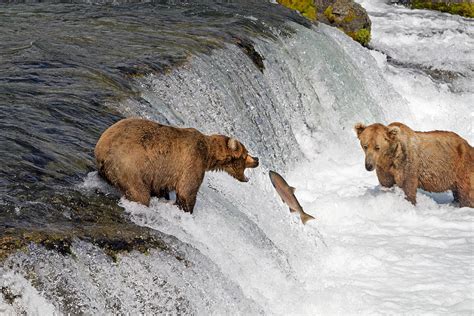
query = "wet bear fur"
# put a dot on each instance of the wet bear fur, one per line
(434, 161)
(143, 159)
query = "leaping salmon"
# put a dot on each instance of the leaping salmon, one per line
(287, 194)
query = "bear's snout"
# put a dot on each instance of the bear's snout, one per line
(251, 162)
(369, 166)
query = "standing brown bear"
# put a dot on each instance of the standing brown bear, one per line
(434, 161)
(143, 159)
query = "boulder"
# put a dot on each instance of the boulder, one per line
(346, 15)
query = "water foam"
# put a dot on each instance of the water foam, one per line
(369, 251)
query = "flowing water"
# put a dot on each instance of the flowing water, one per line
(70, 70)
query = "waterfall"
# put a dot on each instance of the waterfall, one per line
(241, 251)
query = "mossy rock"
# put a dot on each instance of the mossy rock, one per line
(306, 7)
(463, 8)
(349, 17)
(362, 36)
(328, 14)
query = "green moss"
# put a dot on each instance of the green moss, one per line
(349, 17)
(464, 8)
(329, 15)
(305, 7)
(333, 18)
(362, 36)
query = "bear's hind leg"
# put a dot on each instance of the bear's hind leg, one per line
(138, 193)
(466, 194)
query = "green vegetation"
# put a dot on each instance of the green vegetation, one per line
(463, 8)
(305, 7)
(362, 36)
(328, 14)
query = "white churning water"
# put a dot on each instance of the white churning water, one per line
(369, 251)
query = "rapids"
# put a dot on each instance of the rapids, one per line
(369, 251)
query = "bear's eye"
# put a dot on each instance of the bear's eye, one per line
(365, 147)
(377, 147)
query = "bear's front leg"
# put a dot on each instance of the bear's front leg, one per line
(410, 186)
(186, 203)
(187, 190)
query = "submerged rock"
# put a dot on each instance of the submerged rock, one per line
(111, 239)
(96, 219)
(247, 46)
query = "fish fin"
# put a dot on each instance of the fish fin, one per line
(306, 217)
(292, 210)
(293, 189)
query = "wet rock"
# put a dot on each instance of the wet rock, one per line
(92, 218)
(112, 239)
(348, 16)
(8, 295)
(248, 48)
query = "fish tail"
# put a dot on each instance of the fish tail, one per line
(306, 217)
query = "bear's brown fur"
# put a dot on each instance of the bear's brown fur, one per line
(143, 159)
(434, 161)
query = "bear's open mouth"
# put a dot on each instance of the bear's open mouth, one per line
(241, 178)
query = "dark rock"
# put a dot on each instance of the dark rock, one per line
(96, 219)
(8, 296)
(248, 48)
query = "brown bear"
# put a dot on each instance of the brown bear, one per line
(435, 161)
(143, 159)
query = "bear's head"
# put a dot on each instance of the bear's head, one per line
(231, 156)
(377, 141)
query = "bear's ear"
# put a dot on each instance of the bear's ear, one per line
(359, 128)
(393, 132)
(233, 144)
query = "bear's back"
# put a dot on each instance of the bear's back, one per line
(141, 134)
(137, 145)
